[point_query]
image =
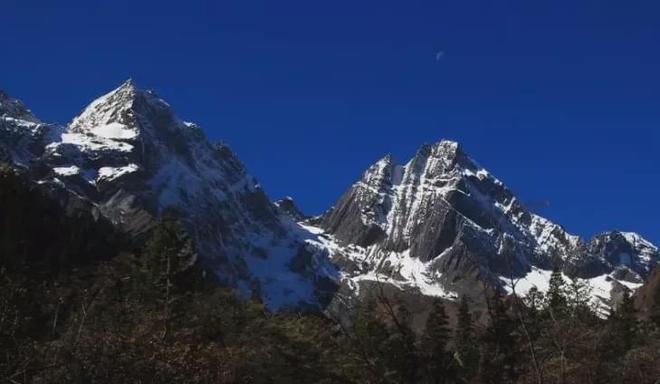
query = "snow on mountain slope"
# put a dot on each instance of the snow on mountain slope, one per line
(22, 135)
(412, 275)
(442, 224)
(439, 224)
(134, 158)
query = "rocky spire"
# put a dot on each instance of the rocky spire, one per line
(379, 175)
(13, 108)
(287, 206)
(123, 114)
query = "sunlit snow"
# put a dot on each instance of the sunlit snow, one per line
(111, 173)
(114, 130)
(67, 171)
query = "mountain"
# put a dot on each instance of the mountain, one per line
(47, 231)
(22, 135)
(134, 160)
(287, 206)
(443, 225)
(439, 225)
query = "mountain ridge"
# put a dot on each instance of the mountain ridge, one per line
(440, 224)
(129, 154)
(441, 217)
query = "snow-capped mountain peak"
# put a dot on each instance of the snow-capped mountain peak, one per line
(15, 109)
(446, 217)
(22, 134)
(134, 158)
(110, 116)
(439, 223)
(626, 251)
(124, 114)
(131, 130)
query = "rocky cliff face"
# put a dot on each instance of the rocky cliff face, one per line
(22, 135)
(134, 160)
(286, 206)
(439, 225)
(128, 149)
(48, 231)
(444, 225)
(647, 297)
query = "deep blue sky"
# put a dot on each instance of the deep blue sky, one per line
(559, 99)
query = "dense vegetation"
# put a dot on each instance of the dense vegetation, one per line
(151, 316)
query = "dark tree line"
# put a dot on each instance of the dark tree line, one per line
(151, 317)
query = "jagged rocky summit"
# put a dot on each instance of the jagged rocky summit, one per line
(130, 156)
(438, 225)
(443, 225)
(22, 135)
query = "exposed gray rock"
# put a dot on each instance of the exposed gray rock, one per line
(22, 135)
(134, 160)
(443, 219)
(438, 225)
(288, 207)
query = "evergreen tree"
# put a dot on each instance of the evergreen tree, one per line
(401, 351)
(621, 335)
(499, 354)
(370, 338)
(467, 353)
(436, 338)
(655, 307)
(624, 323)
(578, 298)
(168, 253)
(529, 311)
(534, 299)
(556, 295)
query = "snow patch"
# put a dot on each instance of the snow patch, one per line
(67, 171)
(601, 286)
(114, 130)
(91, 143)
(112, 173)
(281, 287)
(410, 272)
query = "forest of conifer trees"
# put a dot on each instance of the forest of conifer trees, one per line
(150, 316)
